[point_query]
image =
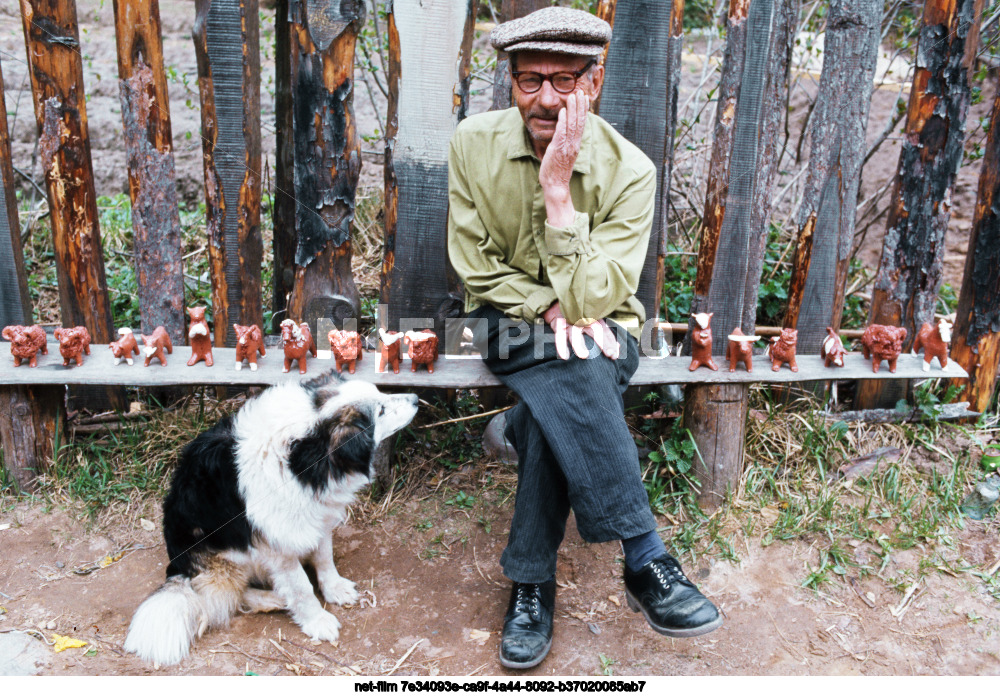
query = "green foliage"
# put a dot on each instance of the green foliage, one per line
(678, 284)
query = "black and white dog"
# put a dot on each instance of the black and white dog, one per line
(254, 497)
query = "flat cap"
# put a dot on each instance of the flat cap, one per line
(554, 30)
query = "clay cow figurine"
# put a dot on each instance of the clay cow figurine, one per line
(880, 342)
(25, 342)
(201, 339)
(249, 342)
(934, 339)
(155, 345)
(297, 340)
(701, 342)
(73, 344)
(832, 350)
(125, 347)
(782, 349)
(740, 349)
(346, 347)
(422, 347)
(389, 343)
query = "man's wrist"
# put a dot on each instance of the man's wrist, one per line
(559, 210)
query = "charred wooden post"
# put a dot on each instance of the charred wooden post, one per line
(283, 199)
(512, 9)
(428, 96)
(327, 157)
(976, 334)
(226, 46)
(909, 272)
(737, 211)
(15, 302)
(34, 419)
(53, 47)
(152, 182)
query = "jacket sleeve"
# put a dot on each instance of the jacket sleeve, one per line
(477, 259)
(594, 271)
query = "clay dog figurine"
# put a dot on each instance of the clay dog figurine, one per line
(389, 343)
(880, 342)
(249, 342)
(934, 339)
(25, 342)
(740, 349)
(155, 344)
(832, 350)
(297, 341)
(701, 342)
(346, 347)
(422, 347)
(782, 349)
(73, 344)
(200, 338)
(124, 347)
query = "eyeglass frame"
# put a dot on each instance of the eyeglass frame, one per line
(547, 77)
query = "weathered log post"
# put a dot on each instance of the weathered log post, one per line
(910, 269)
(737, 211)
(976, 335)
(226, 41)
(156, 221)
(512, 9)
(283, 199)
(428, 96)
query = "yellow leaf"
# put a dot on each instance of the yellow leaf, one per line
(106, 561)
(65, 643)
(478, 636)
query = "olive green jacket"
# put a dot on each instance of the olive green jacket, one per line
(508, 255)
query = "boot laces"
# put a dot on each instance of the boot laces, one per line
(667, 572)
(529, 599)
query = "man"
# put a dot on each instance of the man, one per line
(549, 220)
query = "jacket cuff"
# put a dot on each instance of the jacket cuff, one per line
(537, 302)
(565, 241)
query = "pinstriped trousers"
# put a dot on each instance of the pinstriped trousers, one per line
(574, 448)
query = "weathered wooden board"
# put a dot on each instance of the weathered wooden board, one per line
(15, 303)
(283, 200)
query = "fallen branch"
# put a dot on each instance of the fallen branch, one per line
(403, 658)
(865, 465)
(890, 415)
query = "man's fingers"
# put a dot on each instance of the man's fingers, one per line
(562, 346)
(579, 345)
(604, 338)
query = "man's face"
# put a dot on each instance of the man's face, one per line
(540, 110)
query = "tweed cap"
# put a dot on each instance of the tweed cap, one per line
(554, 30)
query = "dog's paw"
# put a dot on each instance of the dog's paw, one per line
(322, 626)
(341, 591)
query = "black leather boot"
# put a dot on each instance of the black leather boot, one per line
(527, 626)
(671, 603)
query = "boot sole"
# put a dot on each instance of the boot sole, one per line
(527, 665)
(634, 605)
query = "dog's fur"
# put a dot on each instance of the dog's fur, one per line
(256, 496)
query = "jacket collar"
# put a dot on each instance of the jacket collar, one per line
(520, 144)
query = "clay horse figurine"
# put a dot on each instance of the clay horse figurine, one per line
(389, 344)
(782, 349)
(73, 344)
(832, 350)
(297, 341)
(155, 345)
(200, 338)
(423, 349)
(934, 339)
(249, 342)
(346, 348)
(701, 342)
(125, 347)
(740, 349)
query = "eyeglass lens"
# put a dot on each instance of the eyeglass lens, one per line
(564, 83)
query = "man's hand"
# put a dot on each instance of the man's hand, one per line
(569, 334)
(560, 156)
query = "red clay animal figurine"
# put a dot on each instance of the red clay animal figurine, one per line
(832, 349)
(740, 349)
(25, 342)
(200, 338)
(297, 341)
(880, 342)
(124, 347)
(249, 342)
(346, 347)
(934, 339)
(782, 349)
(422, 347)
(155, 345)
(73, 344)
(389, 343)
(701, 342)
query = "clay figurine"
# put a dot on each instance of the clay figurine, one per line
(249, 342)
(201, 339)
(934, 339)
(297, 341)
(832, 350)
(125, 347)
(155, 345)
(880, 342)
(701, 342)
(782, 349)
(422, 348)
(740, 349)
(389, 343)
(25, 342)
(346, 347)
(73, 344)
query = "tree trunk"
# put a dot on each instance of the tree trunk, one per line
(511, 9)
(909, 273)
(15, 302)
(283, 198)
(33, 417)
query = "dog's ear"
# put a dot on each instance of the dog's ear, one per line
(352, 441)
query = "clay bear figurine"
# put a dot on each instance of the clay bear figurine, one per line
(934, 339)
(73, 344)
(740, 349)
(832, 350)
(200, 338)
(346, 347)
(25, 342)
(701, 342)
(782, 349)
(880, 342)
(125, 347)
(389, 343)
(422, 348)
(249, 342)
(297, 340)
(155, 345)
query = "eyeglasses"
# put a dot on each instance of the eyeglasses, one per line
(562, 82)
